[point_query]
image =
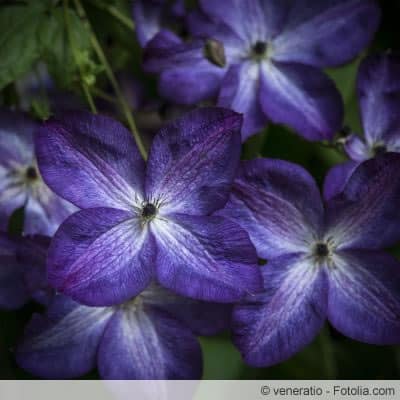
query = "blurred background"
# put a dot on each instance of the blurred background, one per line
(48, 63)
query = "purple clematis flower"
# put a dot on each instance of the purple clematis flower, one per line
(143, 222)
(263, 58)
(149, 337)
(22, 270)
(379, 98)
(151, 16)
(325, 260)
(20, 182)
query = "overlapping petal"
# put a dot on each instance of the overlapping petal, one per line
(147, 15)
(366, 214)
(288, 315)
(301, 97)
(91, 161)
(148, 344)
(357, 149)
(101, 256)
(278, 204)
(364, 296)
(326, 33)
(206, 258)
(193, 161)
(63, 343)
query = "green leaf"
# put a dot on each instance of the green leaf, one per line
(19, 47)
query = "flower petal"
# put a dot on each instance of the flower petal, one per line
(187, 77)
(301, 97)
(356, 148)
(202, 317)
(366, 214)
(206, 258)
(364, 296)
(326, 33)
(13, 292)
(101, 257)
(275, 325)
(379, 96)
(143, 343)
(193, 161)
(278, 204)
(239, 91)
(337, 177)
(147, 15)
(90, 160)
(64, 342)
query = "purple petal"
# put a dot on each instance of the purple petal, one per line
(244, 17)
(278, 204)
(147, 15)
(239, 91)
(187, 77)
(13, 292)
(202, 317)
(326, 33)
(193, 161)
(143, 343)
(301, 97)
(91, 161)
(101, 256)
(364, 297)
(379, 96)
(274, 326)
(206, 258)
(63, 343)
(366, 214)
(356, 148)
(337, 177)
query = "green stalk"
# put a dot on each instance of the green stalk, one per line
(107, 68)
(328, 353)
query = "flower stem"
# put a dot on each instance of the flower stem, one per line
(85, 87)
(328, 353)
(108, 70)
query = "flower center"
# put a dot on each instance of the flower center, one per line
(149, 211)
(378, 149)
(321, 250)
(260, 48)
(31, 174)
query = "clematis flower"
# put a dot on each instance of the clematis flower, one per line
(325, 259)
(142, 223)
(149, 337)
(151, 16)
(20, 182)
(379, 99)
(263, 58)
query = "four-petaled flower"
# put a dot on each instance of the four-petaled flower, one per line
(263, 58)
(140, 222)
(325, 259)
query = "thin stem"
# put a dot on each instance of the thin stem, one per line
(328, 353)
(126, 21)
(107, 68)
(85, 87)
(103, 95)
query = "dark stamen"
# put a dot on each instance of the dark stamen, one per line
(214, 51)
(149, 210)
(260, 48)
(31, 173)
(321, 250)
(379, 149)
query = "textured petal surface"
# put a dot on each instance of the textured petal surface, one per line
(301, 97)
(240, 92)
(356, 148)
(143, 343)
(364, 297)
(326, 33)
(379, 96)
(278, 204)
(13, 293)
(366, 214)
(63, 343)
(91, 161)
(202, 317)
(206, 258)
(187, 77)
(337, 177)
(193, 161)
(272, 327)
(101, 256)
